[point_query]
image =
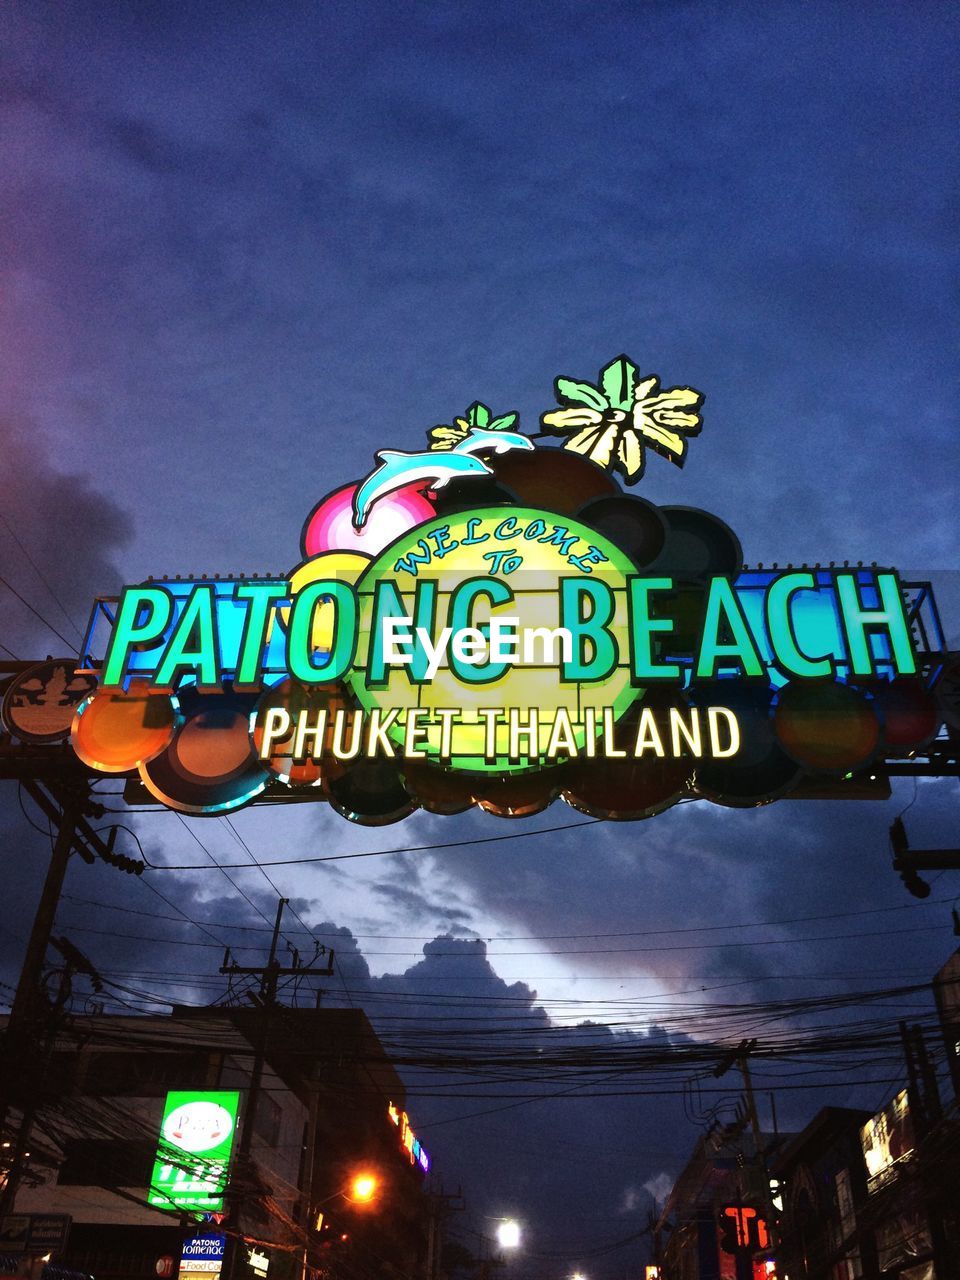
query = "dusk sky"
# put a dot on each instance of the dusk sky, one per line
(243, 247)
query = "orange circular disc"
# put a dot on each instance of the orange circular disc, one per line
(626, 789)
(210, 765)
(115, 731)
(521, 796)
(438, 790)
(826, 726)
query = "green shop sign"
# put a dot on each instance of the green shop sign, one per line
(193, 1152)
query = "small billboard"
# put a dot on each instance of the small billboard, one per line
(193, 1153)
(887, 1139)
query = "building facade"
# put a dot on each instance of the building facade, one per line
(318, 1104)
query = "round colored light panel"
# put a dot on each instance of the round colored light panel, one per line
(116, 730)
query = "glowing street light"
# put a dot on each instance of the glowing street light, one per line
(363, 1188)
(508, 1234)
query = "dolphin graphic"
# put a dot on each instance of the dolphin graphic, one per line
(397, 469)
(479, 439)
(439, 467)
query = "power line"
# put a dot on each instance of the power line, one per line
(550, 937)
(36, 613)
(375, 853)
(253, 858)
(221, 868)
(37, 570)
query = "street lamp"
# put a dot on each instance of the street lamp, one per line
(363, 1188)
(508, 1234)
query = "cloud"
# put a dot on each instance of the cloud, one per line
(59, 536)
(248, 249)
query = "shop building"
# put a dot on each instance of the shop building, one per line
(326, 1107)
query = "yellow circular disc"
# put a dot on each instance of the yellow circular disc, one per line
(341, 566)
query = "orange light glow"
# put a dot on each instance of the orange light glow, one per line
(363, 1188)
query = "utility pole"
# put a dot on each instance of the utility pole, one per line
(66, 808)
(925, 1110)
(307, 1219)
(269, 975)
(439, 1205)
(739, 1057)
(25, 1010)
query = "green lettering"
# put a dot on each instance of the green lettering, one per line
(300, 658)
(461, 616)
(643, 627)
(260, 597)
(388, 603)
(725, 611)
(786, 651)
(890, 616)
(132, 631)
(588, 629)
(193, 646)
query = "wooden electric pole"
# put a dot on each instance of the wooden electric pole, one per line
(269, 975)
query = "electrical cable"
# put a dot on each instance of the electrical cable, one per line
(37, 570)
(549, 937)
(37, 614)
(380, 853)
(221, 867)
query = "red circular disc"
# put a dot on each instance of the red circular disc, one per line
(826, 726)
(910, 714)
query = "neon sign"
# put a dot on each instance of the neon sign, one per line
(411, 1143)
(494, 621)
(743, 1228)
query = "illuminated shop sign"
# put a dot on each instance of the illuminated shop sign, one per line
(193, 1153)
(411, 1143)
(258, 1261)
(202, 1257)
(496, 622)
(742, 1228)
(887, 1139)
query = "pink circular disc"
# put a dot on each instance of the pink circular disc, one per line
(329, 526)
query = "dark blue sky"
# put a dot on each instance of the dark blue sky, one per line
(245, 247)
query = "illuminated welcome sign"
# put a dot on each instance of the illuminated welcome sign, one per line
(493, 623)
